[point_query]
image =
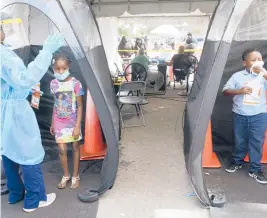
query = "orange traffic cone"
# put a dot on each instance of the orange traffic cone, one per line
(94, 146)
(209, 158)
(264, 154)
(128, 73)
(171, 74)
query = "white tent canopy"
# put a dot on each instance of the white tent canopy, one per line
(165, 30)
(37, 25)
(109, 8)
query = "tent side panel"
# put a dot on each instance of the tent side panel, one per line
(204, 104)
(203, 94)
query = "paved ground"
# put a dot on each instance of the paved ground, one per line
(151, 182)
(66, 205)
(239, 187)
(151, 173)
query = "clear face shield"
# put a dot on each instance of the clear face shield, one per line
(13, 34)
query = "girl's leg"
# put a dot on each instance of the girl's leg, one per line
(75, 183)
(76, 158)
(62, 150)
(14, 182)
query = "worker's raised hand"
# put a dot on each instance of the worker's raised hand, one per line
(245, 90)
(53, 42)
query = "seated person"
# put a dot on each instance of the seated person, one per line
(179, 62)
(190, 39)
(249, 115)
(191, 58)
(140, 58)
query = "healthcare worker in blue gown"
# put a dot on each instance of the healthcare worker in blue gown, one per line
(21, 145)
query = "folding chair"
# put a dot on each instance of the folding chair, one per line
(137, 90)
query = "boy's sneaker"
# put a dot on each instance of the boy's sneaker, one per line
(259, 177)
(233, 167)
(50, 199)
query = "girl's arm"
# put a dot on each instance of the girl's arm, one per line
(52, 120)
(52, 132)
(79, 111)
(79, 93)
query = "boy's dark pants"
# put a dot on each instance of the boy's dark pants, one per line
(249, 134)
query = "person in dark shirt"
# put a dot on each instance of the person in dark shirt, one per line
(139, 45)
(193, 61)
(124, 45)
(179, 62)
(190, 39)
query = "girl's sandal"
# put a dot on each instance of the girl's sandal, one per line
(63, 182)
(75, 182)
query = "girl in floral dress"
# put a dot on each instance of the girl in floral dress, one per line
(67, 117)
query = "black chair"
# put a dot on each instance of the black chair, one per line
(136, 71)
(137, 90)
(190, 68)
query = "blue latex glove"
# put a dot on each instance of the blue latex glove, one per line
(53, 42)
(17, 75)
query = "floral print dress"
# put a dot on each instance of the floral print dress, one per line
(65, 108)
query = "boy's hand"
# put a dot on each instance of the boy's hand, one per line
(245, 90)
(258, 70)
(76, 132)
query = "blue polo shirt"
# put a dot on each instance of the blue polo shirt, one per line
(239, 80)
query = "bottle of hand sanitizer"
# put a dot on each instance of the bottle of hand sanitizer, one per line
(35, 101)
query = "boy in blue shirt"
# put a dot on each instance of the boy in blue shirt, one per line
(249, 117)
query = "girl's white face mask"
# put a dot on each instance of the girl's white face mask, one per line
(256, 64)
(62, 76)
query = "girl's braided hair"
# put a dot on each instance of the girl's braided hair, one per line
(60, 56)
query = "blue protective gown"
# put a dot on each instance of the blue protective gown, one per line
(20, 134)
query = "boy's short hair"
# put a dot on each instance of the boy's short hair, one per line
(247, 52)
